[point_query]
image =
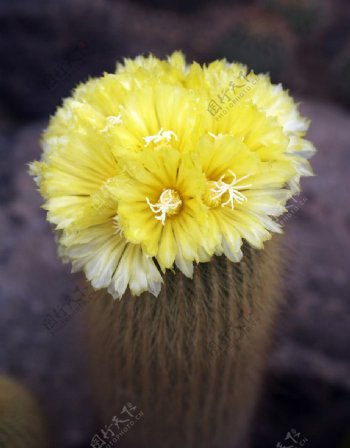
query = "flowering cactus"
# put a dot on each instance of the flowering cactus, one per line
(165, 164)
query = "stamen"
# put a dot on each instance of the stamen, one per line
(159, 137)
(169, 203)
(221, 187)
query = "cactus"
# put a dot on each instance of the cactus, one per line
(192, 358)
(303, 16)
(261, 41)
(21, 422)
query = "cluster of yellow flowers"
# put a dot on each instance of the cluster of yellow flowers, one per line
(155, 166)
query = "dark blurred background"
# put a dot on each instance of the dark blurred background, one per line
(46, 48)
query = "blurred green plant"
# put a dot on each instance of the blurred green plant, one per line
(303, 16)
(21, 421)
(346, 441)
(265, 45)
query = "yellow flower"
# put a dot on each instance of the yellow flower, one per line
(163, 164)
(242, 193)
(160, 207)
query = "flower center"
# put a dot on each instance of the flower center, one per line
(216, 190)
(160, 138)
(169, 204)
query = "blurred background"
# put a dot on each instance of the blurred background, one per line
(46, 48)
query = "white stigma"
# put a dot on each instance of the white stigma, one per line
(232, 189)
(168, 204)
(160, 137)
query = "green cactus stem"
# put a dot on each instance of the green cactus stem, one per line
(191, 359)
